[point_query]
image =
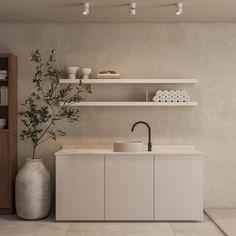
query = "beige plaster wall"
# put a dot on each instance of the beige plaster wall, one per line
(203, 51)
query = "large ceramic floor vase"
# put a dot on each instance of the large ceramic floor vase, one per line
(33, 190)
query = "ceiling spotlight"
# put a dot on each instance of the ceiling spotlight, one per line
(132, 8)
(179, 8)
(85, 12)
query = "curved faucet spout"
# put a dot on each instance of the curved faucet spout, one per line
(149, 132)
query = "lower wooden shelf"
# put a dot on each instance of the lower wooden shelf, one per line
(132, 104)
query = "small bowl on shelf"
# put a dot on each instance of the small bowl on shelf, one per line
(3, 123)
(86, 71)
(72, 71)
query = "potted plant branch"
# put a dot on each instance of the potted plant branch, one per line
(42, 110)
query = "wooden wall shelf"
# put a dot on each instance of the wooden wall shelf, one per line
(129, 81)
(133, 104)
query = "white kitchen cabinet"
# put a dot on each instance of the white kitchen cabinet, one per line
(80, 187)
(179, 187)
(99, 184)
(129, 187)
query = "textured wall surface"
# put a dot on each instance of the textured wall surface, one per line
(203, 51)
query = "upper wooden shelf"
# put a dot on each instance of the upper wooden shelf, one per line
(129, 81)
(131, 104)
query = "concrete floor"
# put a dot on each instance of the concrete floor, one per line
(13, 226)
(225, 219)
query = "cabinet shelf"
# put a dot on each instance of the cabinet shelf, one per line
(132, 104)
(4, 130)
(129, 81)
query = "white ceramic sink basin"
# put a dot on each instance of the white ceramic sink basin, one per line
(128, 146)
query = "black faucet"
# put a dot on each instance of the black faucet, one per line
(149, 133)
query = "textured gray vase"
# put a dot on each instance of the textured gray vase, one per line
(33, 190)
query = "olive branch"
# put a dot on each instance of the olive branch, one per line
(47, 105)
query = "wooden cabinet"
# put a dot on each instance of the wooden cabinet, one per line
(80, 187)
(8, 134)
(129, 187)
(179, 187)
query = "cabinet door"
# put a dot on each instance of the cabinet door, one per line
(179, 188)
(80, 187)
(5, 189)
(129, 187)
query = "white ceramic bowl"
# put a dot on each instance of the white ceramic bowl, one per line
(86, 71)
(72, 69)
(3, 123)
